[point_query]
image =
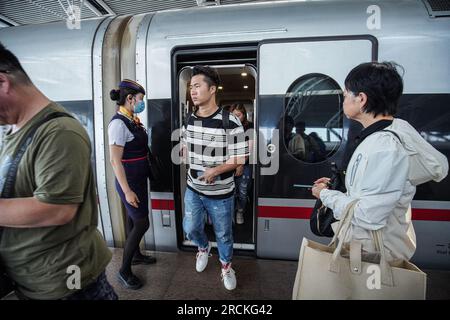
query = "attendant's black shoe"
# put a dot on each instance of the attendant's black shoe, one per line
(131, 282)
(143, 260)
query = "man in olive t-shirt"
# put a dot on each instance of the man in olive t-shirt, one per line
(49, 233)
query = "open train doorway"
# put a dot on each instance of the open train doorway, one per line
(237, 86)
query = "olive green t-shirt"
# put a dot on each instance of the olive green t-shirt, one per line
(55, 169)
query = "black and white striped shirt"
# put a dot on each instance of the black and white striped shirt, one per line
(209, 146)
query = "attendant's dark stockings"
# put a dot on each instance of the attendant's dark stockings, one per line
(135, 231)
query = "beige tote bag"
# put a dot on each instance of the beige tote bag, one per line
(323, 273)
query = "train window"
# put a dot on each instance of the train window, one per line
(313, 122)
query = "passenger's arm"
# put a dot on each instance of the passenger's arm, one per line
(183, 146)
(382, 186)
(251, 152)
(32, 213)
(239, 171)
(230, 165)
(115, 154)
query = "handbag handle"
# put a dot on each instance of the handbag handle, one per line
(355, 257)
(387, 277)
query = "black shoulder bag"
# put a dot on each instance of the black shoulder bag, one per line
(6, 284)
(322, 217)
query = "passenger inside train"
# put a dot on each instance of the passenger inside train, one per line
(315, 148)
(294, 141)
(243, 175)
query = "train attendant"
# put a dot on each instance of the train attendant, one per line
(128, 148)
(389, 160)
(216, 146)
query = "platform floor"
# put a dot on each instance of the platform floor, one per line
(173, 277)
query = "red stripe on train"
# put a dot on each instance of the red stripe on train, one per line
(304, 213)
(431, 214)
(161, 204)
(284, 212)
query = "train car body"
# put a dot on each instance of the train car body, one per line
(295, 56)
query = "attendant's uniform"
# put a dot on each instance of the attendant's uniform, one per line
(128, 132)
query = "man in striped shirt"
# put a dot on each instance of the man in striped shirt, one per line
(215, 144)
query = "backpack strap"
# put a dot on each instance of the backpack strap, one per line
(226, 119)
(26, 141)
(186, 120)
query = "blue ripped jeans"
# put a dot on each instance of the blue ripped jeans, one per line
(220, 211)
(243, 184)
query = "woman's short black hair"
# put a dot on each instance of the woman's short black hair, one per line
(382, 84)
(210, 74)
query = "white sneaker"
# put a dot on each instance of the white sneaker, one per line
(240, 216)
(229, 278)
(202, 259)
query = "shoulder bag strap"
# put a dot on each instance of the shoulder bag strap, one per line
(26, 141)
(395, 134)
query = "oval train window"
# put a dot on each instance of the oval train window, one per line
(313, 118)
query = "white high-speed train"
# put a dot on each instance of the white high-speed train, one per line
(278, 58)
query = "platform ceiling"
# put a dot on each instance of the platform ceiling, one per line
(21, 12)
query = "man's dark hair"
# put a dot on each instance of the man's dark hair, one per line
(382, 84)
(301, 125)
(210, 74)
(10, 65)
(288, 119)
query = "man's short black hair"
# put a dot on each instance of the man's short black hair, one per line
(301, 125)
(288, 120)
(210, 74)
(10, 65)
(382, 84)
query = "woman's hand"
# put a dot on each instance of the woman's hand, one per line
(323, 180)
(132, 198)
(319, 185)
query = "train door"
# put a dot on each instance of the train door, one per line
(118, 52)
(238, 86)
(301, 130)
